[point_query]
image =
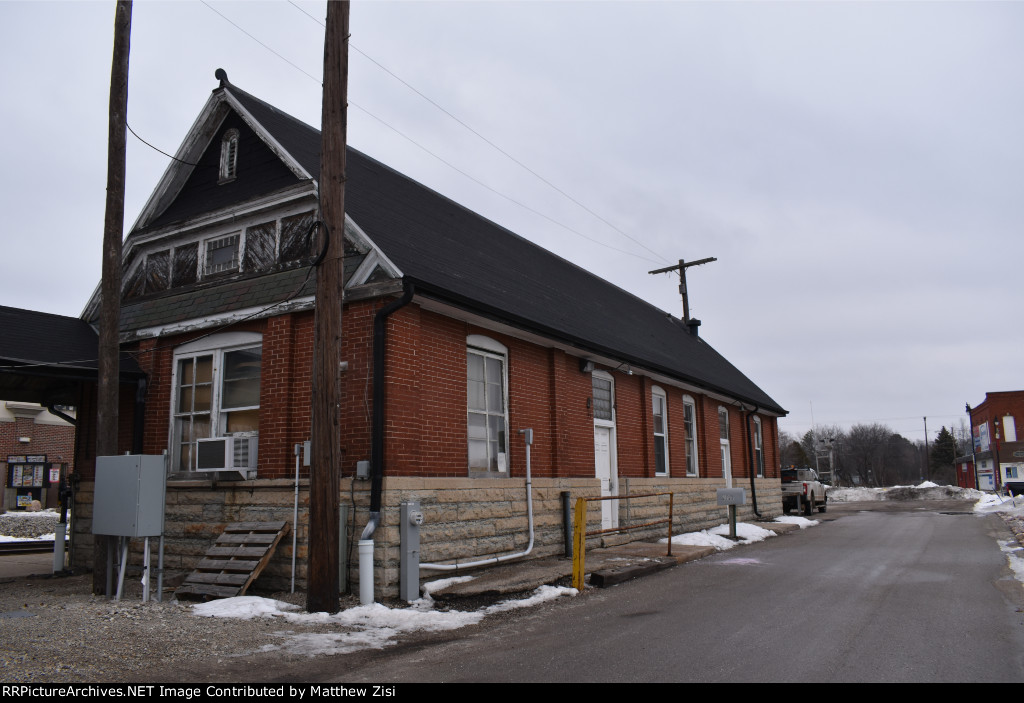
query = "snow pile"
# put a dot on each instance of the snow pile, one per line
(803, 522)
(373, 626)
(714, 537)
(925, 491)
(992, 503)
(22, 524)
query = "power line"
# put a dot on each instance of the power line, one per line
(497, 192)
(489, 142)
(442, 160)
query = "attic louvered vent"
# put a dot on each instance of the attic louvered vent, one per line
(229, 156)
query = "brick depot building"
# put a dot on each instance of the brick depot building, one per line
(479, 334)
(998, 444)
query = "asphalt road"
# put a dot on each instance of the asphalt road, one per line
(905, 592)
(881, 592)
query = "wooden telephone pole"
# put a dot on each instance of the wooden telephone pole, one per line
(681, 267)
(108, 379)
(324, 477)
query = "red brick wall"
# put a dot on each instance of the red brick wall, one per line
(425, 395)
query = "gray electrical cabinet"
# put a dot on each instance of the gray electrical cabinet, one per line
(129, 497)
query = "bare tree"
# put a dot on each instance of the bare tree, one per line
(865, 450)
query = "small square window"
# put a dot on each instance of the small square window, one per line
(222, 254)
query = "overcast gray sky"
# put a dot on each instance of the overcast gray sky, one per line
(855, 167)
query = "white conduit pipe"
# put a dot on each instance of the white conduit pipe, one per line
(529, 512)
(295, 513)
(365, 571)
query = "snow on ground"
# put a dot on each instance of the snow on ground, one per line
(803, 522)
(923, 491)
(373, 626)
(715, 537)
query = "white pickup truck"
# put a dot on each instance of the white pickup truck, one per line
(801, 489)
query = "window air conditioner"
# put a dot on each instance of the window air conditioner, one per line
(228, 454)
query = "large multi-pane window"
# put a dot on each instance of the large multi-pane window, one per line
(216, 392)
(487, 408)
(690, 424)
(658, 407)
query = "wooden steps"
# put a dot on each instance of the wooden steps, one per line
(234, 561)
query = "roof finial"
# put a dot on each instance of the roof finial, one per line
(222, 75)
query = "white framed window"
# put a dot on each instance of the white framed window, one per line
(229, 156)
(659, 409)
(222, 254)
(604, 397)
(486, 405)
(758, 448)
(723, 443)
(216, 383)
(690, 423)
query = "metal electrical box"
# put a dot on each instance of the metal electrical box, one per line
(129, 498)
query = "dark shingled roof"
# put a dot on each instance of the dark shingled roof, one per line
(456, 255)
(44, 356)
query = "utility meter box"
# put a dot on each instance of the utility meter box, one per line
(129, 497)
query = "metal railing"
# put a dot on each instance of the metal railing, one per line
(580, 525)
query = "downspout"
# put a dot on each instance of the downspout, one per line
(377, 442)
(140, 416)
(52, 409)
(753, 466)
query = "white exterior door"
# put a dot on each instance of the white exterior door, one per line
(604, 446)
(603, 471)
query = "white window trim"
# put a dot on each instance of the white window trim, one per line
(229, 156)
(216, 345)
(758, 447)
(658, 392)
(609, 378)
(487, 347)
(689, 401)
(725, 446)
(239, 253)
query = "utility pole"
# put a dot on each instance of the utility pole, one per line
(681, 267)
(324, 478)
(108, 379)
(927, 462)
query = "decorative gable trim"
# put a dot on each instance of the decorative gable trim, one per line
(374, 256)
(197, 141)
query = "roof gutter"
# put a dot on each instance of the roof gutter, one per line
(377, 427)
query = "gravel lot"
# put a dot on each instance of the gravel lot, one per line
(54, 631)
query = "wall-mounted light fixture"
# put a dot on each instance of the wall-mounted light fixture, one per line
(628, 371)
(586, 365)
(24, 440)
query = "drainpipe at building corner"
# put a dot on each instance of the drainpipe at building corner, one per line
(750, 452)
(377, 442)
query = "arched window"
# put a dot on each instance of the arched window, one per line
(659, 409)
(229, 156)
(690, 423)
(723, 442)
(486, 405)
(758, 448)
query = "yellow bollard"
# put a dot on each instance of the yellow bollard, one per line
(579, 543)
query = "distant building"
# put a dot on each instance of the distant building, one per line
(998, 443)
(33, 443)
